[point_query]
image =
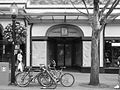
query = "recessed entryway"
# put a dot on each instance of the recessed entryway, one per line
(64, 45)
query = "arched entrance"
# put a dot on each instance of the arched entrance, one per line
(65, 45)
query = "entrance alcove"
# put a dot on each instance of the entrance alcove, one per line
(65, 45)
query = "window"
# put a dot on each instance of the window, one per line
(111, 53)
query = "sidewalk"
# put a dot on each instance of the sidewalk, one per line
(108, 81)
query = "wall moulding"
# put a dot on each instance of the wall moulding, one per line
(12, 1)
(62, 4)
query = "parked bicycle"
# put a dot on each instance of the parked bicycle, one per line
(66, 79)
(46, 77)
(24, 78)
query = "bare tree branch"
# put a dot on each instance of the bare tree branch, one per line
(106, 5)
(115, 3)
(86, 8)
(89, 17)
(113, 18)
(104, 19)
(78, 9)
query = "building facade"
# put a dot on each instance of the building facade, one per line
(63, 34)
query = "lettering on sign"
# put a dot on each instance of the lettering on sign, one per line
(64, 31)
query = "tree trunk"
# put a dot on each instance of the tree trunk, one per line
(95, 61)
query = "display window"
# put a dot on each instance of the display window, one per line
(112, 53)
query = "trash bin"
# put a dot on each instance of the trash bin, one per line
(4, 73)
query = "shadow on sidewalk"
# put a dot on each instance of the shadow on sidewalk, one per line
(92, 86)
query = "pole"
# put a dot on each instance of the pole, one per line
(13, 48)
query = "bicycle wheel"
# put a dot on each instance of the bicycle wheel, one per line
(67, 80)
(22, 79)
(44, 79)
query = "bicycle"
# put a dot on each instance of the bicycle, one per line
(23, 79)
(66, 79)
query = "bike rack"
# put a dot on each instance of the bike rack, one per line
(50, 87)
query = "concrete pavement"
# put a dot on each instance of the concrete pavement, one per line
(108, 81)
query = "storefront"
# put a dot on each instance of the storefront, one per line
(63, 44)
(63, 34)
(111, 47)
(112, 52)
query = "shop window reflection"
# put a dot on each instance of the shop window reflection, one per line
(107, 55)
(111, 53)
(115, 55)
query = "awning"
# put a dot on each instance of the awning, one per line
(56, 17)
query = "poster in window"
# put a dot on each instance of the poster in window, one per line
(39, 52)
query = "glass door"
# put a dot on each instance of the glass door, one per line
(68, 56)
(64, 56)
(60, 54)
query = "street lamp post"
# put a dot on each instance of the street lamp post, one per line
(14, 13)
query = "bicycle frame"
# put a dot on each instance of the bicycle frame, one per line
(54, 80)
(56, 76)
(53, 76)
(31, 77)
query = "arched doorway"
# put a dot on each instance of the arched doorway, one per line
(65, 45)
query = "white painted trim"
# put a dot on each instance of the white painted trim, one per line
(101, 49)
(28, 47)
(13, 1)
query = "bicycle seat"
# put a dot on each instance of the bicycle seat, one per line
(42, 65)
(27, 68)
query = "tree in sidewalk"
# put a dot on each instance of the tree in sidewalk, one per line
(99, 20)
(98, 25)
